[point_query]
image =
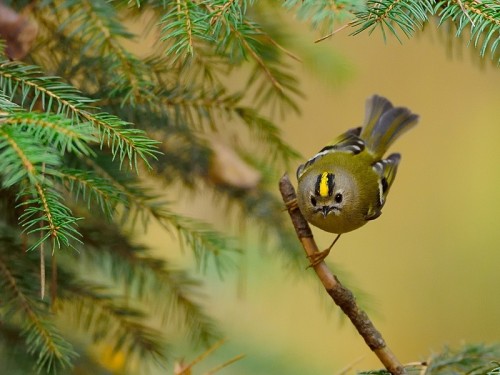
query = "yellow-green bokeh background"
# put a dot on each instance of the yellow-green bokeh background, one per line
(430, 263)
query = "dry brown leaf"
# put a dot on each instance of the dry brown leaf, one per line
(18, 31)
(228, 168)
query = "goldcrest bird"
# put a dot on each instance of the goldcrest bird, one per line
(345, 185)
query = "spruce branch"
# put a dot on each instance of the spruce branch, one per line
(199, 106)
(248, 45)
(268, 133)
(23, 158)
(224, 28)
(25, 162)
(216, 108)
(473, 359)
(56, 131)
(47, 215)
(342, 296)
(97, 27)
(51, 130)
(206, 243)
(183, 8)
(146, 276)
(101, 315)
(482, 17)
(124, 141)
(324, 14)
(43, 341)
(181, 24)
(274, 84)
(407, 15)
(89, 186)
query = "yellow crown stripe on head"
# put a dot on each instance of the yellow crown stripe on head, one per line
(326, 183)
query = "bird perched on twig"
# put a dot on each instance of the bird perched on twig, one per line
(345, 185)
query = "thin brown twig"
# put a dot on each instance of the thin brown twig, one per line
(334, 32)
(466, 13)
(42, 255)
(277, 45)
(42, 265)
(53, 283)
(479, 12)
(186, 369)
(225, 364)
(258, 60)
(342, 296)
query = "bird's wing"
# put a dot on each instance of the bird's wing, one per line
(346, 142)
(386, 169)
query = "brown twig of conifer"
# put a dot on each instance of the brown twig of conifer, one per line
(342, 296)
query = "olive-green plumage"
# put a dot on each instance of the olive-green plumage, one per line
(346, 184)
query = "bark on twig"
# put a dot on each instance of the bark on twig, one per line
(342, 296)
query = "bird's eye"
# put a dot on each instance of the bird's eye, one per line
(313, 200)
(338, 197)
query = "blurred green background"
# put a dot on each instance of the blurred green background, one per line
(430, 264)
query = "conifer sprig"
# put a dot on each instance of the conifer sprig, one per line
(223, 28)
(97, 311)
(407, 15)
(26, 162)
(91, 188)
(139, 205)
(21, 305)
(76, 131)
(52, 95)
(97, 27)
(480, 19)
(144, 276)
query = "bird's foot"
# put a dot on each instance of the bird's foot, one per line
(292, 205)
(318, 257)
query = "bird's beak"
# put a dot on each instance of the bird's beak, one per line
(325, 210)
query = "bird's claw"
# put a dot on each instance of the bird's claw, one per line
(318, 257)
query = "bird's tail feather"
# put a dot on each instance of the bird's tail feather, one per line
(384, 124)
